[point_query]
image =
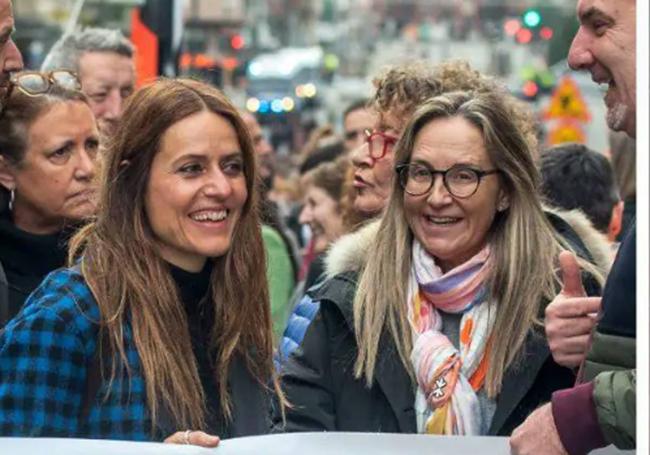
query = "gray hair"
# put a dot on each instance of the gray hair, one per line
(65, 53)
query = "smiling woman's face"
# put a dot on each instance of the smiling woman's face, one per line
(196, 190)
(323, 215)
(453, 229)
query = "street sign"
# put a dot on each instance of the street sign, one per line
(566, 131)
(567, 103)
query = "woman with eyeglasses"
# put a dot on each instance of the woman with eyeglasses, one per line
(161, 330)
(48, 148)
(399, 91)
(436, 327)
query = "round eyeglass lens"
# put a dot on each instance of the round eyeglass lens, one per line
(66, 80)
(462, 182)
(34, 84)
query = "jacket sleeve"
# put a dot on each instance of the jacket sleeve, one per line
(299, 320)
(42, 370)
(279, 274)
(306, 379)
(615, 400)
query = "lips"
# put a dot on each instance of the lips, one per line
(209, 215)
(359, 182)
(83, 194)
(441, 221)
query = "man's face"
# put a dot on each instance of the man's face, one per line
(605, 45)
(263, 149)
(10, 57)
(107, 79)
(354, 125)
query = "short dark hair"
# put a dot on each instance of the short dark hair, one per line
(361, 103)
(576, 177)
(322, 154)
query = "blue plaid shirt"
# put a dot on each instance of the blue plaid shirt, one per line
(45, 353)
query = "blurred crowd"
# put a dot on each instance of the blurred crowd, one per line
(433, 269)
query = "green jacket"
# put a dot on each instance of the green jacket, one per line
(610, 364)
(279, 273)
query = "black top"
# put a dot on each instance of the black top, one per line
(619, 297)
(26, 259)
(194, 292)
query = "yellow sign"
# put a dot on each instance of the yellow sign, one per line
(567, 103)
(566, 131)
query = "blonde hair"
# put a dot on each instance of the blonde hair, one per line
(524, 245)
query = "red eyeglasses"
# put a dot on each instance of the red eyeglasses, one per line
(379, 143)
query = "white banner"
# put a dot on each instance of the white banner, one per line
(281, 444)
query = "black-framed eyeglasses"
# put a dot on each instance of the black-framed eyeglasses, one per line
(36, 83)
(461, 181)
(379, 143)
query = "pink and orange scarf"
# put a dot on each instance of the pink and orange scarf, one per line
(448, 378)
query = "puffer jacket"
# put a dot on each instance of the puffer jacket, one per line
(344, 255)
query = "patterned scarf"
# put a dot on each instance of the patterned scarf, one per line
(448, 378)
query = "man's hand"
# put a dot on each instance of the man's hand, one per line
(537, 435)
(571, 316)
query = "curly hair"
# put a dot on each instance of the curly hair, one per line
(402, 88)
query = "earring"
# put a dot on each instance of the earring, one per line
(12, 196)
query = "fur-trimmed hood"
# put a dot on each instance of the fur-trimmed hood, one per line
(350, 252)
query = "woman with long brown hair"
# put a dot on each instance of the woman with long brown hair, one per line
(156, 330)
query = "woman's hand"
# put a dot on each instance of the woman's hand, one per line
(196, 438)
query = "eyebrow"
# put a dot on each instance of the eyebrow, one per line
(594, 13)
(203, 157)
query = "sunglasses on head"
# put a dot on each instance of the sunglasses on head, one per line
(36, 83)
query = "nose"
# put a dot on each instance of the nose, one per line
(218, 185)
(85, 169)
(438, 195)
(580, 57)
(13, 60)
(361, 156)
(305, 215)
(114, 104)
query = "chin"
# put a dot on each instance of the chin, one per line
(368, 206)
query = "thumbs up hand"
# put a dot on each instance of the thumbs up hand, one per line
(571, 316)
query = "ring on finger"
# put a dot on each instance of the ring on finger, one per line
(186, 437)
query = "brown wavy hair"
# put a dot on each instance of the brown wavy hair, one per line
(403, 88)
(132, 283)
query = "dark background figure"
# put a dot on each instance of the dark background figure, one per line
(10, 60)
(104, 60)
(575, 177)
(357, 118)
(48, 146)
(623, 155)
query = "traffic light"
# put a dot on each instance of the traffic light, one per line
(532, 18)
(237, 42)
